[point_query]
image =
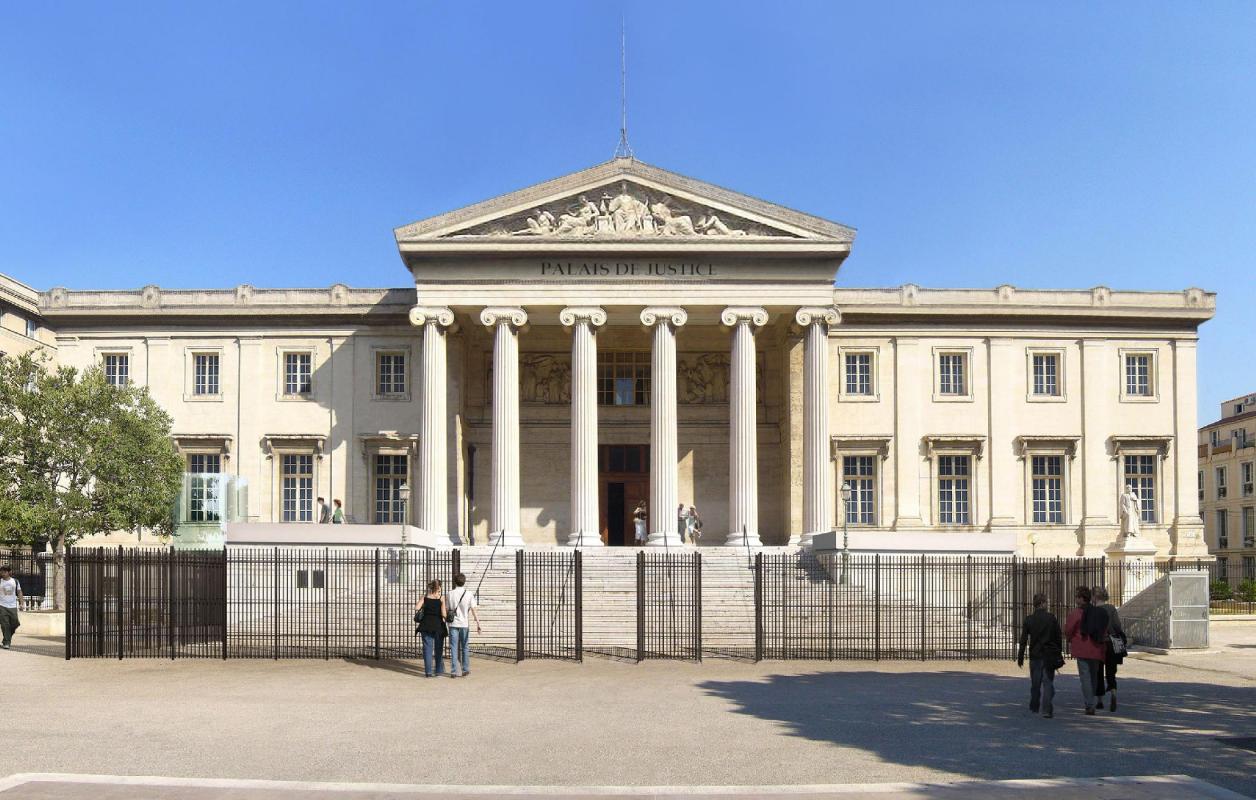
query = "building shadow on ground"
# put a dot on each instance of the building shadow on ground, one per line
(980, 726)
(48, 646)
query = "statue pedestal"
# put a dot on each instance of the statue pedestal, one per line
(1137, 561)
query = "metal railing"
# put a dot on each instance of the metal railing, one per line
(669, 605)
(549, 605)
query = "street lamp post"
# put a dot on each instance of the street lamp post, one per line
(845, 534)
(403, 492)
(1033, 545)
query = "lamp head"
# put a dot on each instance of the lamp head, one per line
(404, 492)
(845, 492)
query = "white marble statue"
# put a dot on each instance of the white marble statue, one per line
(581, 219)
(1131, 512)
(627, 212)
(669, 225)
(713, 226)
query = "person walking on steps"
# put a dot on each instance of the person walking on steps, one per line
(1086, 627)
(462, 605)
(1041, 632)
(430, 614)
(1114, 651)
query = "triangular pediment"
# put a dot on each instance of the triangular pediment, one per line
(624, 200)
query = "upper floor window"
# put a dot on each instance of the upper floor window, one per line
(1246, 468)
(1140, 472)
(117, 368)
(1139, 375)
(1223, 535)
(859, 374)
(32, 328)
(1221, 487)
(296, 373)
(860, 474)
(203, 500)
(953, 374)
(1214, 436)
(1249, 526)
(1201, 485)
(205, 374)
(1046, 374)
(954, 490)
(1239, 435)
(623, 378)
(390, 374)
(1047, 482)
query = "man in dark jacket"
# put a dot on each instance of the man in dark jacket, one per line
(1041, 632)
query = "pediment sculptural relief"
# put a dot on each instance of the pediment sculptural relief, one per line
(621, 212)
(702, 378)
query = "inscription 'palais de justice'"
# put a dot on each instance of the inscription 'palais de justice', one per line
(626, 269)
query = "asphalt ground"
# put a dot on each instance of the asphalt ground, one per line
(611, 723)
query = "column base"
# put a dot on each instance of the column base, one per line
(664, 539)
(743, 539)
(508, 539)
(584, 539)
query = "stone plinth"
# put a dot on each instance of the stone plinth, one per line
(1137, 559)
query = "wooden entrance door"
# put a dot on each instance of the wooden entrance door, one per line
(623, 482)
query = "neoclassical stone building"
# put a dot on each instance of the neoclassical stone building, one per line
(625, 334)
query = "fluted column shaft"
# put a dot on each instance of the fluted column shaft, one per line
(817, 477)
(584, 487)
(664, 447)
(433, 490)
(504, 520)
(743, 451)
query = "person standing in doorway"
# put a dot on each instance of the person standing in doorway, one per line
(638, 523)
(462, 604)
(1105, 682)
(323, 515)
(1086, 627)
(10, 599)
(431, 619)
(693, 523)
(1041, 632)
(682, 525)
(338, 514)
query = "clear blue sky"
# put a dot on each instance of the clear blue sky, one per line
(972, 144)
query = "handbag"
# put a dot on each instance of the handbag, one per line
(1119, 648)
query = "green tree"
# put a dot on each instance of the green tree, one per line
(80, 457)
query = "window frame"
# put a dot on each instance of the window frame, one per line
(282, 385)
(1059, 353)
(874, 458)
(192, 485)
(1064, 477)
(1247, 478)
(1247, 518)
(281, 456)
(189, 374)
(116, 352)
(874, 385)
(1153, 374)
(378, 352)
(640, 362)
(1157, 472)
(966, 353)
(971, 487)
(1221, 486)
(403, 513)
(1221, 521)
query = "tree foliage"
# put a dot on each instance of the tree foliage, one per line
(79, 456)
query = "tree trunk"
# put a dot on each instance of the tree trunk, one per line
(58, 573)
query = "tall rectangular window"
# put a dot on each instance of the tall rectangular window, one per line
(117, 369)
(1249, 568)
(1214, 437)
(1140, 472)
(1047, 480)
(297, 488)
(32, 329)
(623, 378)
(1138, 374)
(1246, 468)
(1046, 374)
(1221, 487)
(954, 473)
(1249, 526)
(296, 373)
(203, 500)
(860, 473)
(1201, 486)
(859, 373)
(205, 374)
(1223, 532)
(390, 474)
(390, 374)
(952, 374)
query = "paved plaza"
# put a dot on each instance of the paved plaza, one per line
(608, 723)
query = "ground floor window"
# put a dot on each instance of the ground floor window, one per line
(860, 472)
(297, 488)
(203, 500)
(390, 475)
(954, 490)
(1047, 480)
(1140, 472)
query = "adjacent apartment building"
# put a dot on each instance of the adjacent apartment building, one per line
(1227, 487)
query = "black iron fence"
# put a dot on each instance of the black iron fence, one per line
(549, 605)
(669, 605)
(28, 568)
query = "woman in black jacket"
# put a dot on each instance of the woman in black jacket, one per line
(431, 618)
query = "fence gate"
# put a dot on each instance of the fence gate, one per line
(549, 605)
(669, 605)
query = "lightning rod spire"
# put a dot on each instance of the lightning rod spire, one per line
(623, 149)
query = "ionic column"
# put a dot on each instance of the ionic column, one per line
(743, 450)
(817, 479)
(583, 321)
(504, 514)
(664, 469)
(432, 496)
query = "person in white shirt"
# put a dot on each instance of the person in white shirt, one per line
(10, 597)
(462, 605)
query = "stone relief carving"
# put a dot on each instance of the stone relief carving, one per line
(623, 211)
(544, 378)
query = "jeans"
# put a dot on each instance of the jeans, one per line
(1088, 670)
(1041, 685)
(433, 647)
(459, 650)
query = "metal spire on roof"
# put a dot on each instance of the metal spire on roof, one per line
(623, 149)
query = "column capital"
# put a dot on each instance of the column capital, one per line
(595, 316)
(809, 315)
(441, 315)
(755, 315)
(653, 315)
(497, 315)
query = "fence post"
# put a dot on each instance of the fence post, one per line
(640, 605)
(697, 604)
(326, 603)
(876, 607)
(377, 653)
(170, 599)
(831, 610)
(120, 590)
(275, 594)
(71, 592)
(969, 604)
(923, 587)
(758, 606)
(519, 600)
(579, 606)
(226, 587)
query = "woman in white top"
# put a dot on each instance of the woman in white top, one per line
(638, 523)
